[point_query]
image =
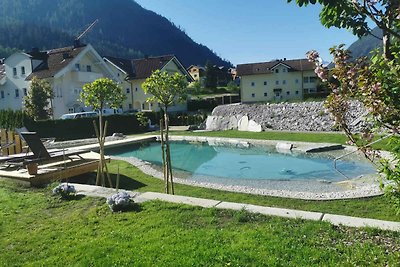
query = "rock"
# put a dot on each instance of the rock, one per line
(254, 126)
(243, 123)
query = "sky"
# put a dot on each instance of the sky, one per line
(254, 30)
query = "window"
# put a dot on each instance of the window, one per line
(253, 84)
(253, 95)
(16, 93)
(277, 82)
(25, 91)
(313, 79)
(77, 67)
(151, 104)
(287, 93)
(195, 75)
(130, 106)
(143, 106)
(118, 74)
(306, 79)
(265, 94)
(1, 94)
(89, 68)
(276, 70)
(284, 70)
(296, 81)
(284, 82)
(297, 92)
(71, 110)
(265, 82)
(22, 70)
(128, 91)
(15, 71)
(136, 89)
(312, 90)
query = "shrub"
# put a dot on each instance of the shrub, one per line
(119, 202)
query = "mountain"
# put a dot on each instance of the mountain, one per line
(364, 45)
(124, 29)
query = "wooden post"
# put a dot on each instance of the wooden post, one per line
(3, 140)
(10, 140)
(18, 144)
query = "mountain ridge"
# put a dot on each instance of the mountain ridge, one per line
(125, 29)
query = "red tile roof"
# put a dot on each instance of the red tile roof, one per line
(141, 68)
(56, 61)
(265, 67)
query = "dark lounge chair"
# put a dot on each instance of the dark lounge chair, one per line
(41, 154)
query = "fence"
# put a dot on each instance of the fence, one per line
(10, 143)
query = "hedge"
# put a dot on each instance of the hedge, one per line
(83, 127)
(10, 119)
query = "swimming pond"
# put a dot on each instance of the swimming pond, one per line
(202, 161)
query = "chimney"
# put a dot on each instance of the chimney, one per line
(77, 43)
(284, 58)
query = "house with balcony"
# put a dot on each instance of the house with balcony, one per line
(277, 80)
(66, 69)
(198, 73)
(133, 73)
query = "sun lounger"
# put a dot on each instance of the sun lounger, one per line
(40, 153)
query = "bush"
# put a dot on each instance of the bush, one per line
(119, 202)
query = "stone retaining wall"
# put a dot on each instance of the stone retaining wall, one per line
(305, 116)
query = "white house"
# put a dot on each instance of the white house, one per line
(66, 69)
(134, 72)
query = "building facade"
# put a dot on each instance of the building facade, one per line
(67, 70)
(278, 80)
(134, 72)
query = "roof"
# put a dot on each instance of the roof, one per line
(140, 68)
(266, 67)
(57, 59)
(196, 66)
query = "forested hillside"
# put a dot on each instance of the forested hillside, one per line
(125, 29)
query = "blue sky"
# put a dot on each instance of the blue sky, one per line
(253, 30)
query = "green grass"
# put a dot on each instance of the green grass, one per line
(37, 229)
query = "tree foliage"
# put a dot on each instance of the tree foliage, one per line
(102, 93)
(36, 101)
(375, 82)
(211, 79)
(165, 89)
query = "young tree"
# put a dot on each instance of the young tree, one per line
(37, 100)
(374, 82)
(100, 94)
(166, 89)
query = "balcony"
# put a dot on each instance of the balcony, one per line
(85, 77)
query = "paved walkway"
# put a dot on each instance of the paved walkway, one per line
(97, 191)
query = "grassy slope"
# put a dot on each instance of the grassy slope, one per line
(37, 229)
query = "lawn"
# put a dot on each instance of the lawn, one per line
(37, 229)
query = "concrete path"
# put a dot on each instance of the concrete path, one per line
(97, 191)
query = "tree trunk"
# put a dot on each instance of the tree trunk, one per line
(166, 187)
